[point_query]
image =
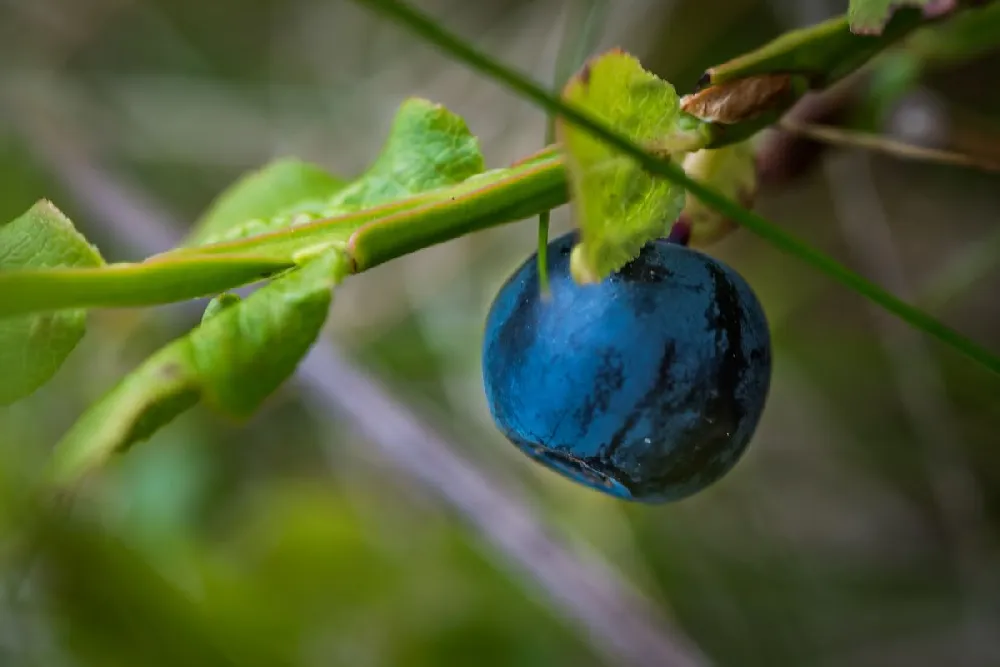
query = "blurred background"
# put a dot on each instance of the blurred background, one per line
(860, 528)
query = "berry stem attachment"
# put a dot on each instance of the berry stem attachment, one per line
(680, 233)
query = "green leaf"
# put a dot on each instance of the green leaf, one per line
(233, 360)
(247, 350)
(269, 192)
(868, 17)
(619, 206)
(33, 347)
(428, 148)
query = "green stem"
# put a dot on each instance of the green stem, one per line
(542, 260)
(372, 237)
(424, 26)
(147, 283)
(381, 234)
(525, 192)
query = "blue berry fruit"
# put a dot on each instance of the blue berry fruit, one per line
(647, 386)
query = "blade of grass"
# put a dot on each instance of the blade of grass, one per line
(427, 28)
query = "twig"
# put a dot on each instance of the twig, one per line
(619, 623)
(872, 142)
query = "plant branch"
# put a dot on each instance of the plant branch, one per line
(424, 26)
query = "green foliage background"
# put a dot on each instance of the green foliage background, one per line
(861, 528)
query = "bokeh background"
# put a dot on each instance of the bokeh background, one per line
(860, 529)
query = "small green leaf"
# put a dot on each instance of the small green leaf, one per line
(428, 148)
(151, 396)
(248, 349)
(233, 360)
(264, 194)
(868, 17)
(619, 207)
(33, 347)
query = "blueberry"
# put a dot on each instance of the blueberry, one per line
(647, 386)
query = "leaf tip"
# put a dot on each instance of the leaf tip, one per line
(421, 103)
(49, 207)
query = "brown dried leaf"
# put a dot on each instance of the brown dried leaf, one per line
(740, 100)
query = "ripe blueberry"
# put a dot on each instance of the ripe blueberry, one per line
(647, 386)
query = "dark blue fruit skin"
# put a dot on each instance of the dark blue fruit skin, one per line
(647, 386)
